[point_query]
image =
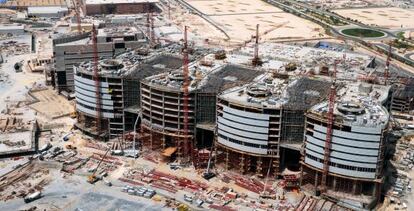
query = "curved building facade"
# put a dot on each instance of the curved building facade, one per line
(356, 153)
(162, 112)
(249, 136)
(254, 122)
(111, 99)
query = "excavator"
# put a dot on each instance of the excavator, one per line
(93, 178)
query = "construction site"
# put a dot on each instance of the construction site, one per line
(198, 105)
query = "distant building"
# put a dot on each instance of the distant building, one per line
(47, 12)
(72, 50)
(100, 7)
(14, 29)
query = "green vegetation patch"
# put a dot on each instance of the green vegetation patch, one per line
(358, 32)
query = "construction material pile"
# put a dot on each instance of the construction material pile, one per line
(251, 184)
(14, 48)
(25, 179)
(161, 180)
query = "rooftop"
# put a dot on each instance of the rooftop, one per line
(5, 27)
(120, 1)
(272, 91)
(359, 104)
(121, 31)
(309, 59)
(46, 9)
(208, 75)
(111, 31)
(140, 63)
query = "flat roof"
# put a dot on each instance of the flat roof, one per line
(295, 93)
(358, 104)
(120, 1)
(46, 10)
(121, 31)
(5, 27)
(137, 64)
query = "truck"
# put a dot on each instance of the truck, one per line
(32, 197)
(45, 147)
(67, 136)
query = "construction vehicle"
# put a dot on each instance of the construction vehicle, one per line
(73, 115)
(32, 197)
(93, 178)
(70, 146)
(207, 174)
(182, 207)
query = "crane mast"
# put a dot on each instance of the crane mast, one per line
(77, 9)
(329, 131)
(387, 65)
(184, 143)
(97, 82)
(256, 61)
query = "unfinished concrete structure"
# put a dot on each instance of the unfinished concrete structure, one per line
(18, 136)
(253, 121)
(356, 157)
(403, 98)
(99, 7)
(72, 50)
(162, 103)
(120, 89)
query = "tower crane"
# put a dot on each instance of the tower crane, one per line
(329, 131)
(97, 82)
(184, 142)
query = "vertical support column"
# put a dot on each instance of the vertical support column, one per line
(316, 180)
(227, 159)
(354, 186)
(215, 149)
(259, 169)
(152, 137)
(242, 164)
(163, 142)
(248, 163)
(334, 184)
(275, 165)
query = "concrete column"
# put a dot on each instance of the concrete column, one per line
(316, 179)
(227, 159)
(259, 167)
(163, 141)
(334, 183)
(374, 190)
(354, 186)
(242, 164)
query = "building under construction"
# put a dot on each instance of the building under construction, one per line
(162, 104)
(348, 165)
(119, 89)
(253, 121)
(72, 50)
(403, 98)
(99, 7)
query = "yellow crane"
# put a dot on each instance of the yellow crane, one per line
(93, 178)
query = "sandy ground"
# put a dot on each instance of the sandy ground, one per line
(239, 19)
(231, 7)
(17, 85)
(71, 193)
(51, 104)
(348, 4)
(390, 17)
